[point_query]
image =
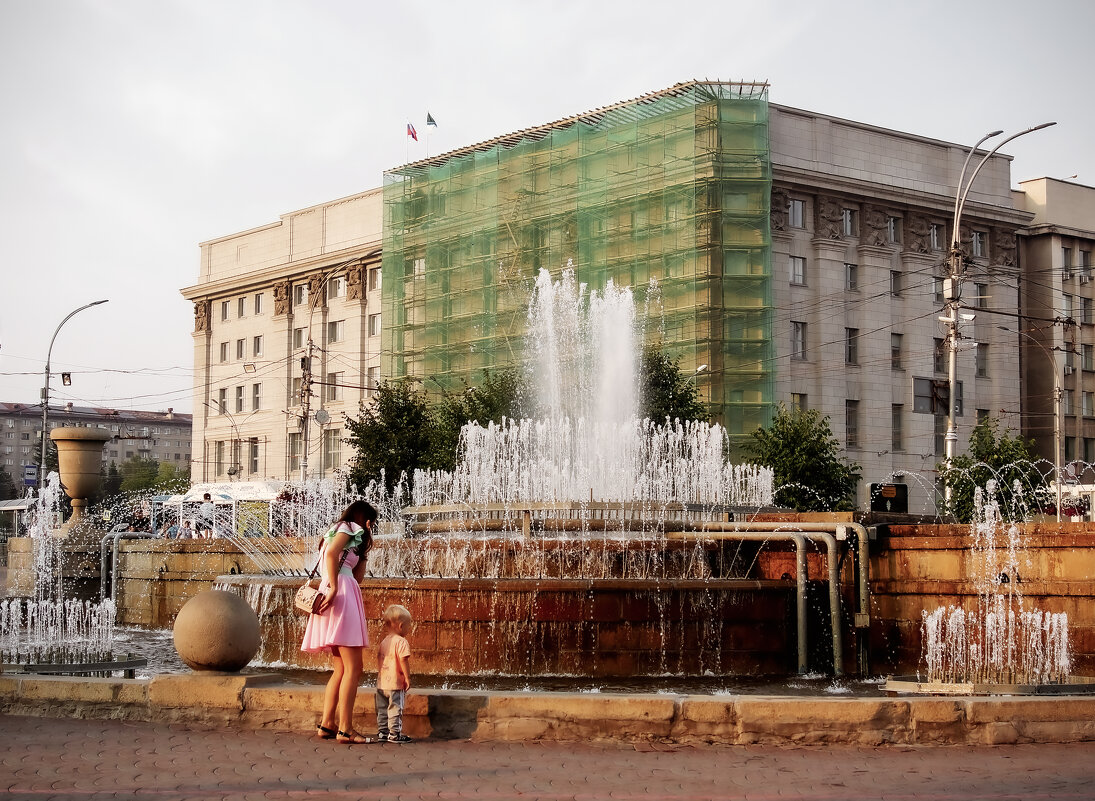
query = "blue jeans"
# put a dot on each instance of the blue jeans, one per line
(389, 711)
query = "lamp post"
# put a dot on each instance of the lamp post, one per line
(696, 373)
(45, 392)
(952, 291)
(1058, 391)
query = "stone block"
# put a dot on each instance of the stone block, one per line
(214, 690)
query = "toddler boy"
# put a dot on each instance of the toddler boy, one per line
(393, 675)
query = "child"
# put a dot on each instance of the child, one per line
(393, 675)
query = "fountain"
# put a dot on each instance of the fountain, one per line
(1002, 645)
(585, 541)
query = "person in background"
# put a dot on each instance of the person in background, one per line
(393, 675)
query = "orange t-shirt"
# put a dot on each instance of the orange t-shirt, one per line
(392, 658)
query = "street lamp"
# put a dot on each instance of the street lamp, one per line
(45, 393)
(1058, 391)
(953, 291)
(696, 373)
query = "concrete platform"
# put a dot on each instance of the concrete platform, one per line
(265, 703)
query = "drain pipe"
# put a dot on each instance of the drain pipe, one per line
(116, 536)
(800, 571)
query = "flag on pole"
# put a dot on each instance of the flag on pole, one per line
(411, 132)
(430, 120)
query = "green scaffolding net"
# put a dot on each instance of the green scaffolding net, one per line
(668, 194)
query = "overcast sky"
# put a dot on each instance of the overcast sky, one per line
(132, 130)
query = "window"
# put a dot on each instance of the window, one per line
(253, 456)
(336, 286)
(241, 348)
(848, 222)
(798, 270)
(374, 278)
(300, 294)
(1070, 448)
(851, 277)
(798, 340)
(226, 308)
(336, 330)
(935, 236)
(981, 295)
(930, 396)
(295, 398)
(373, 379)
(256, 397)
(294, 451)
(419, 267)
(222, 401)
(939, 355)
(374, 325)
(981, 358)
(224, 352)
(1085, 265)
(1066, 402)
(332, 448)
(1088, 356)
(258, 303)
(1089, 404)
(851, 346)
(895, 351)
(897, 435)
(799, 402)
(893, 229)
(1066, 305)
(256, 346)
(1085, 310)
(239, 398)
(239, 307)
(937, 289)
(299, 338)
(1066, 258)
(979, 244)
(796, 213)
(851, 424)
(895, 283)
(940, 434)
(218, 449)
(334, 390)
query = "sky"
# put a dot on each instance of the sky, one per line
(132, 130)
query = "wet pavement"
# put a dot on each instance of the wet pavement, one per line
(42, 758)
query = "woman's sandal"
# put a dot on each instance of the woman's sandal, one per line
(323, 733)
(353, 738)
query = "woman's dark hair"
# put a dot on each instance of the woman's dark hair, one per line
(361, 512)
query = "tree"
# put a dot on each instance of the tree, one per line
(994, 455)
(112, 481)
(171, 480)
(394, 434)
(138, 473)
(664, 392)
(810, 474)
(8, 489)
(496, 397)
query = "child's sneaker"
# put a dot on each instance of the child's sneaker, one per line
(382, 736)
(399, 738)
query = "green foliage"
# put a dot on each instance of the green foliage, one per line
(138, 473)
(665, 392)
(112, 481)
(810, 473)
(8, 488)
(994, 455)
(496, 397)
(394, 434)
(171, 480)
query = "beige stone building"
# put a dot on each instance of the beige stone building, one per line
(1058, 322)
(264, 299)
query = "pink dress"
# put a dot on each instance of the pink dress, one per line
(343, 623)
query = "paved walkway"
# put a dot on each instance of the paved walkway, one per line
(44, 758)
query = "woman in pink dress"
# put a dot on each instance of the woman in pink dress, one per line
(338, 626)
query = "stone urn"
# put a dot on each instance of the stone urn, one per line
(79, 458)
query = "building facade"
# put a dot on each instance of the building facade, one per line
(1057, 325)
(286, 341)
(163, 436)
(799, 256)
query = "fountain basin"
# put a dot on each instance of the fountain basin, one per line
(551, 627)
(1075, 685)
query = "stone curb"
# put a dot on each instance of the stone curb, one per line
(262, 702)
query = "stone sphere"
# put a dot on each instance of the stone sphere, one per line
(217, 630)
